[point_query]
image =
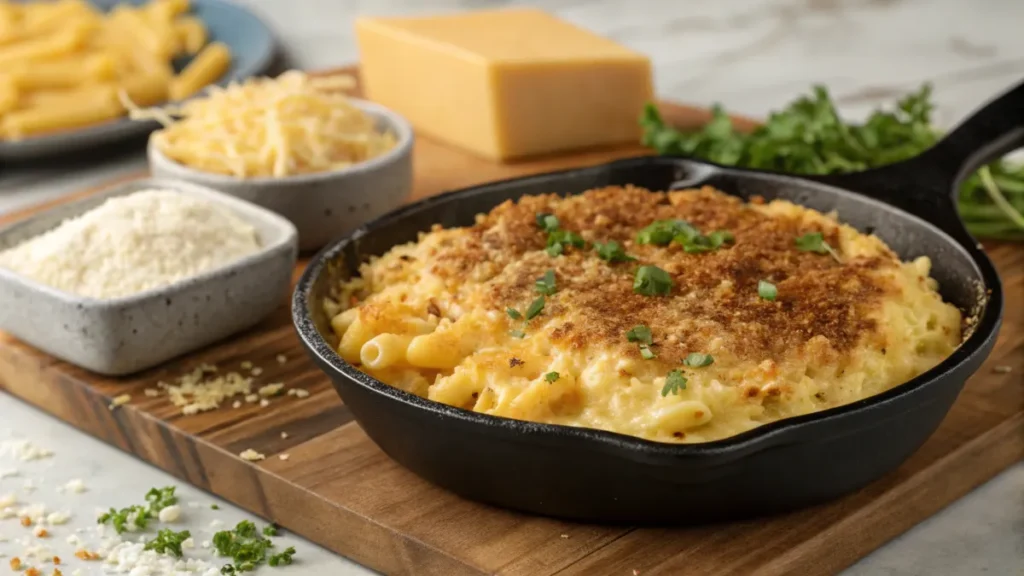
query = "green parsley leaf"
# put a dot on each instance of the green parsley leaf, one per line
(214, 507)
(547, 222)
(612, 251)
(661, 232)
(815, 242)
(535, 308)
(560, 239)
(139, 516)
(698, 360)
(646, 353)
(270, 530)
(282, 559)
(546, 283)
(652, 281)
(168, 541)
(720, 238)
(641, 334)
(551, 377)
(674, 382)
(513, 313)
(160, 498)
(767, 290)
(517, 334)
(246, 547)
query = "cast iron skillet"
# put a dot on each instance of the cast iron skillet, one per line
(593, 475)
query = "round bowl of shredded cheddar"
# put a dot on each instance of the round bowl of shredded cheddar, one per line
(295, 144)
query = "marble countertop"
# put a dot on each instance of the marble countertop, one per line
(751, 55)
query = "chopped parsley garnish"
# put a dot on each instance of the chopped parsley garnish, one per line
(547, 222)
(612, 251)
(247, 548)
(641, 334)
(646, 353)
(535, 308)
(517, 334)
(652, 281)
(551, 377)
(674, 382)
(513, 313)
(661, 232)
(282, 559)
(214, 507)
(559, 239)
(767, 290)
(168, 541)
(709, 243)
(721, 237)
(698, 360)
(815, 242)
(546, 283)
(160, 498)
(139, 516)
(270, 530)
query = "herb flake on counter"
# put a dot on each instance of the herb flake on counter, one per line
(246, 547)
(767, 290)
(674, 382)
(168, 541)
(139, 516)
(652, 281)
(160, 498)
(282, 559)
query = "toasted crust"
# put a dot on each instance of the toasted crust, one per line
(714, 294)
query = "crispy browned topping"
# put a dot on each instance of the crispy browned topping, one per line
(714, 294)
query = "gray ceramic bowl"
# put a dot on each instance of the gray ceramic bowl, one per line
(324, 205)
(123, 335)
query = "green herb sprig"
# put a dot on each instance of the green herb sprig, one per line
(642, 335)
(652, 281)
(809, 137)
(815, 242)
(612, 251)
(674, 383)
(248, 548)
(168, 541)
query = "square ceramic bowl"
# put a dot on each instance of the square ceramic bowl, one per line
(322, 205)
(122, 335)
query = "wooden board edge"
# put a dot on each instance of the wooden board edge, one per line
(245, 484)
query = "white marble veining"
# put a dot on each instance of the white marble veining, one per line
(751, 55)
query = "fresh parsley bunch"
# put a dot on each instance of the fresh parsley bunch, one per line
(809, 137)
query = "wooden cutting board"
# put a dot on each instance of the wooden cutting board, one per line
(339, 490)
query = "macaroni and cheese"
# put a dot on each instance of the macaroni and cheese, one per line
(685, 316)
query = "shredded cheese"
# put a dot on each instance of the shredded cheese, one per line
(269, 127)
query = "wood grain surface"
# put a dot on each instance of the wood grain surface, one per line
(339, 490)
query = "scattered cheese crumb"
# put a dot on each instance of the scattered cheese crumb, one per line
(1002, 369)
(203, 389)
(33, 571)
(271, 389)
(15, 563)
(24, 450)
(246, 365)
(206, 544)
(284, 456)
(7, 500)
(83, 554)
(56, 559)
(281, 358)
(298, 392)
(284, 435)
(236, 404)
(252, 398)
(565, 536)
(264, 403)
(252, 455)
(57, 572)
(74, 540)
(75, 485)
(26, 521)
(41, 532)
(151, 392)
(120, 400)
(57, 518)
(257, 371)
(170, 513)
(216, 523)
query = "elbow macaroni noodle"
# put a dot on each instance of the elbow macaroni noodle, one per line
(430, 318)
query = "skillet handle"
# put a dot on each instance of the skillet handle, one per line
(926, 185)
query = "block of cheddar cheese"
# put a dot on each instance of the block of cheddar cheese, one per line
(505, 84)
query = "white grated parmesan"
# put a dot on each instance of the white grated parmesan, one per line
(251, 455)
(133, 243)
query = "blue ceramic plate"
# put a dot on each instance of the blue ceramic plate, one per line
(252, 51)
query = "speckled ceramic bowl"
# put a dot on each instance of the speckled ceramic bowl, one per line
(324, 205)
(123, 335)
